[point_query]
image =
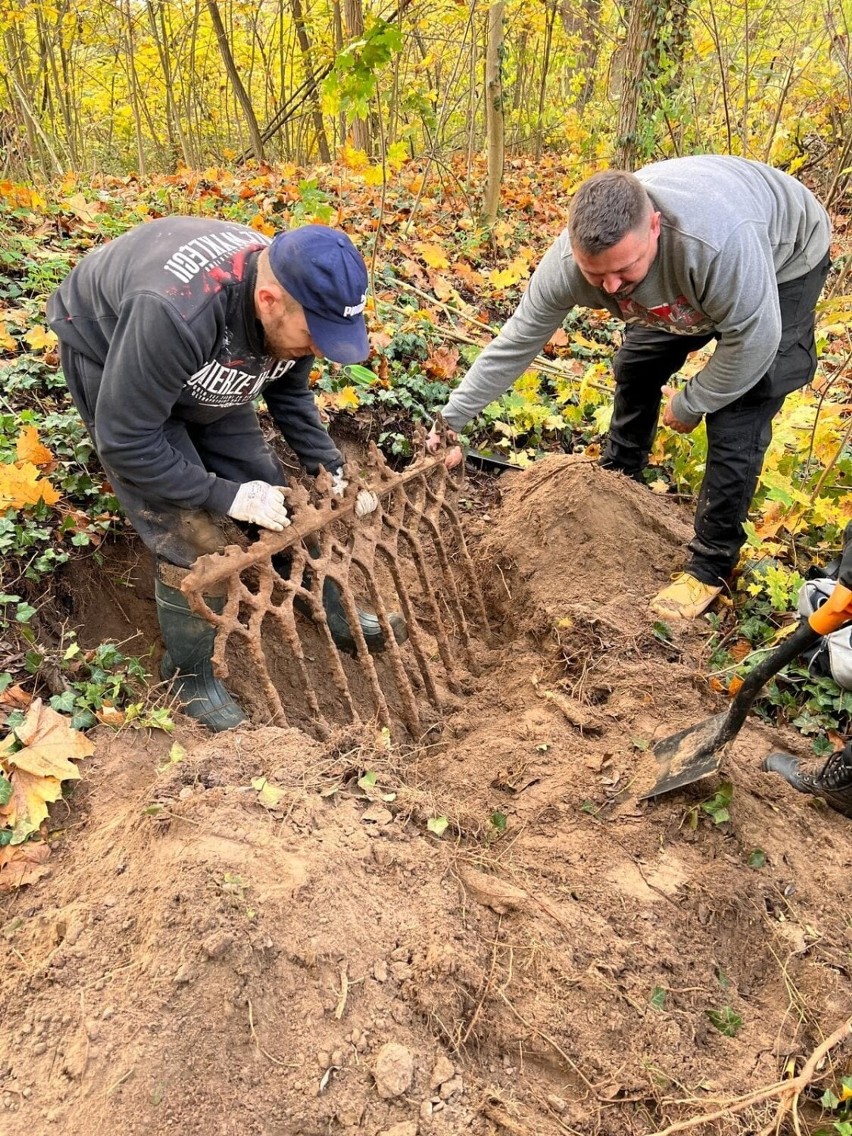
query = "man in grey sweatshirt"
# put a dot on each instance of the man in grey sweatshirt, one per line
(684, 251)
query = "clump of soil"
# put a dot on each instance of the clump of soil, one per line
(248, 936)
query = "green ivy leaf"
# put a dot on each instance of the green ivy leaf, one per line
(658, 998)
(437, 825)
(726, 1021)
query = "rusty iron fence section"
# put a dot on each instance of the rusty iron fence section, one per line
(408, 556)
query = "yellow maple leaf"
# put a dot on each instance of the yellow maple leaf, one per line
(80, 207)
(26, 808)
(7, 340)
(30, 449)
(49, 744)
(41, 338)
(22, 864)
(21, 484)
(515, 271)
(374, 175)
(352, 158)
(347, 399)
(434, 255)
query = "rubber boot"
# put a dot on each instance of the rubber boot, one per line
(341, 633)
(833, 782)
(189, 659)
(335, 613)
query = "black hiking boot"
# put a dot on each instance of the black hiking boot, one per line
(833, 782)
(335, 613)
(188, 660)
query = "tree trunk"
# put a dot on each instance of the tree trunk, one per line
(641, 68)
(305, 46)
(354, 15)
(236, 81)
(494, 119)
(173, 120)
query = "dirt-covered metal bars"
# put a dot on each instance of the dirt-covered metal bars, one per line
(409, 556)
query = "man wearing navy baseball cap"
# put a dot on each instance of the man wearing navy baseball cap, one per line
(167, 336)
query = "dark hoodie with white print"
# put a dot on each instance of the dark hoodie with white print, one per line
(166, 313)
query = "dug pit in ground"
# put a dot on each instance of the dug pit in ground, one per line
(255, 937)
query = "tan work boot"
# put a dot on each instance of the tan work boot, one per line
(684, 598)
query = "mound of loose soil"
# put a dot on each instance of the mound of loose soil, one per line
(246, 940)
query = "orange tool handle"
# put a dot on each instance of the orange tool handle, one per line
(834, 613)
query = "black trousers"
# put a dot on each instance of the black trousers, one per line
(737, 435)
(233, 447)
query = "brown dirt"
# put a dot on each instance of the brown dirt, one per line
(197, 962)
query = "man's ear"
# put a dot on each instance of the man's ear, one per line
(267, 298)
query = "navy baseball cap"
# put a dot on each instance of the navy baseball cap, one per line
(325, 273)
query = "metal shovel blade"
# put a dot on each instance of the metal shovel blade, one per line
(696, 752)
(689, 755)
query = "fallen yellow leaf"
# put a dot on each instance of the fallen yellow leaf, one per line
(30, 449)
(27, 807)
(41, 338)
(21, 484)
(49, 744)
(7, 340)
(434, 255)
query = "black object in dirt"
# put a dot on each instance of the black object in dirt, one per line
(188, 661)
(833, 782)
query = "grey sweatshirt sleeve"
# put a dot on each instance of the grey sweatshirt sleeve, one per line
(541, 311)
(740, 296)
(151, 356)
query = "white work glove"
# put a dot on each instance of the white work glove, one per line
(366, 502)
(260, 504)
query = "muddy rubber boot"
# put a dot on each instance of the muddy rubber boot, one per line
(341, 633)
(338, 624)
(833, 782)
(188, 660)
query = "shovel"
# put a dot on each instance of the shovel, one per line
(693, 753)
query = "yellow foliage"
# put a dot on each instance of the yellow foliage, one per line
(374, 175)
(260, 223)
(347, 399)
(355, 160)
(21, 484)
(517, 270)
(434, 255)
(41, 338)
(35, 759)
(7, 340)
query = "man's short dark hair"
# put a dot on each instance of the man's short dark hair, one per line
(607, 207)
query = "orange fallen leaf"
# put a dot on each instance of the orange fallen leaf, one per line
(734, 686)
(15, 696)
(30, 449)
(442, 363)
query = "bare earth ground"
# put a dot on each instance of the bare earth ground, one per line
(199, 963)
